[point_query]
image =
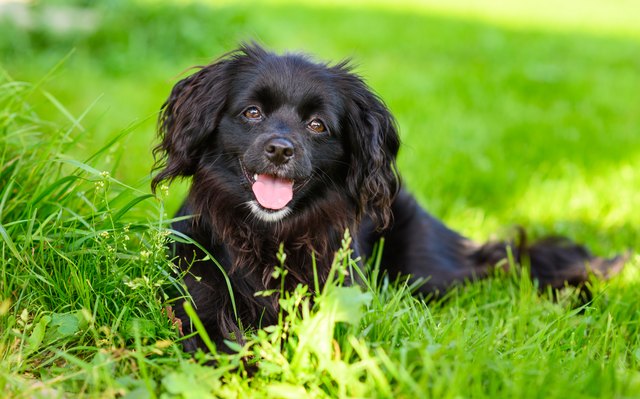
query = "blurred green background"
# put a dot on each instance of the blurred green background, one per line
(510, 111)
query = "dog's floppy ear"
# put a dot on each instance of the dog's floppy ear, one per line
(373, 139)
(187, 118)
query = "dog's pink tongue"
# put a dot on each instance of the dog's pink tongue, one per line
(273, 192)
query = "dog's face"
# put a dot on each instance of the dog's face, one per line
(283, 128)
(273, 133)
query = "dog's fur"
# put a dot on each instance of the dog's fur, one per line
(254, 112)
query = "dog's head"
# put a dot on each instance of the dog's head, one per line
(277, 131)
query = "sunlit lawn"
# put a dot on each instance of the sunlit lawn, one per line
(511, 113)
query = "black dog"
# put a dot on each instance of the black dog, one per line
(282, 149)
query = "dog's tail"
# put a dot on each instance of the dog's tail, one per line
(553, 261)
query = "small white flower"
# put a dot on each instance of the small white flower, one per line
(164, 189)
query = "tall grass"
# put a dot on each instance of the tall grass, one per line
(81, 276)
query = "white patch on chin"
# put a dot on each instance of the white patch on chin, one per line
(267, 216)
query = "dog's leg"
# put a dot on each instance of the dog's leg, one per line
(419, 245)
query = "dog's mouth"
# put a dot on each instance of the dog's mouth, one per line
(271, 191)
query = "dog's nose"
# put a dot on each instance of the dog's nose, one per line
(279, 150)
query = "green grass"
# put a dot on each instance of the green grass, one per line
(509, 114)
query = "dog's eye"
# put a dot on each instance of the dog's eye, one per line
(252, 113)
(317, 126)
